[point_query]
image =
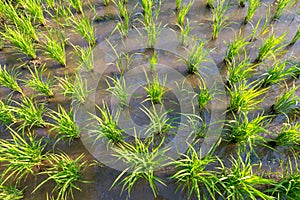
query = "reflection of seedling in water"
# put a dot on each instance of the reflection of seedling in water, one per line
(118, 89)
(155, 89)
(238, 72)
(85, 57)
(219, 18)
(182, 12)
(234, 48)
(282, 6)
(289, 136)
(9, 79)
(253, 6)
(196, 56)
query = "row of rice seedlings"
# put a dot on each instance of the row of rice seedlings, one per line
(245, 97)
(155, 88)
(219, 18)
(10, 192)
(66, 173)
(238, 72)
(253, 6)
(282, 6)
(9, 79)
(118, 90)
(235, 47)
(196, 56)
(35, 9)
(85, 57)
(289, 136)
(182, 12)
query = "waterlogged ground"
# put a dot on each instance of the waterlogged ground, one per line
(102, 177)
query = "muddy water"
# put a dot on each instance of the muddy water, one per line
(200, 18)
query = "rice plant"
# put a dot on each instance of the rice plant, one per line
(155, 89)
(191, 174)
(50, 3)
(35, 8)
(143, 160)
(66, 173)
(296, 37)
(107, 127)
(21, 155)
(118, 89)
(153, 61)
(9, 79)
(38, 82)
(256, 32)
(253, 6)
(28, 113)
(204, 97)
(271, 47)
(235, 47)
(196, 56)
(239, 72)
(64, 125)
(20, 41)
(245, 97)
(240, 181)
(85, 57)
(178, 4)
(10, 192)
(184, 33)
(6, 115)
(105, 2)
(219, 18)
(278, 73)
(210, 4)
(285, 102)
(54, 48)
(182, 12)
(147, 6)
(289, 135)
(282, 6)
(77, 5)
(84, 27)
(153, 30)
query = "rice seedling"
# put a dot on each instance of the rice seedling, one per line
(77, 89)
(50, 3)
(278, 73)
(84, 27)
(210, 4)
(289, 135)
(271, 47)
(77, 5)
(192, 175)
(155, 89)
(245, 97)
(204, 96)
(120, 4)
(147, 6)
(10, 192)
(38, 82)
(196, 56)
(34, 7)
(118, 89)
(238, 72)
(256, 32)
(64, 125)
(22, 155)
(142, 160)
(296, 37)
(29, 114)
(153, 61)
(282, 6)
(285, 102)
(54, 48)
(108, 127)
(153, 30)
(253, 6)
(105, 2)
(242, 3)
(178, 4)
(21, 42)
(9, 79)
(66, 173)
(182, 12)
(244, 131)
(85, 57)
(234, 48)
(6, 114)
(219, 18)
(184, 33)
(240, 181)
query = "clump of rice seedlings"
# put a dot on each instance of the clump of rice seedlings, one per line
(234, 48)
(242, 3)
(153, 62)
(278, 73)
(210, 4)
(143, 160)
(182, 12)
(184, 33)
(64, 126)
(21, 41)
(238, 72)
(118, 89)
(240, 181)
(219, 18)
(271, 47)
(84, 27)
(147, 8)
(289, 135)
(21, 155)
(54, 48)
(29, 114)
(38, 82)
(6, 114)
(34, 7)
(77, 5)
(204, 96)
(10, 192)
(196, 56)
(253, 6)
(192, 175)
(244, 131)
(155, 89)
(282, 6)
(66, 173)
(9, 79)
(245, 97)
(77, 89)
(108, 127)
(159, 124)
(285, 102)
(296, 37)
(85, 57)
